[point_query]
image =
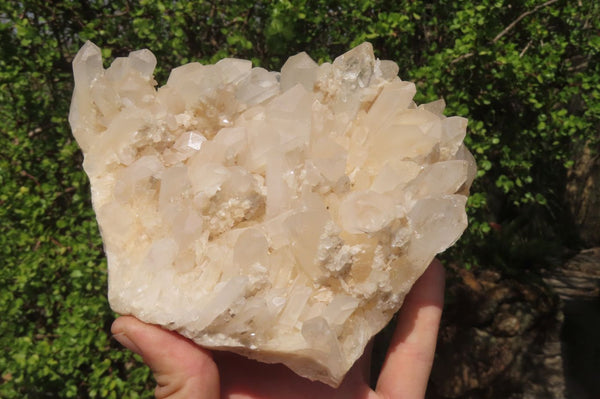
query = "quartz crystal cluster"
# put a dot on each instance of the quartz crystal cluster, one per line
(282, 216)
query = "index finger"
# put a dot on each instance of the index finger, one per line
(408, 362)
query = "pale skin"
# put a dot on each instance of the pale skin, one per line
(183, 370)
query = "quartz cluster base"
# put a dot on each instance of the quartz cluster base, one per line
(282, 215)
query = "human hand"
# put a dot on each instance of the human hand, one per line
(184, 370)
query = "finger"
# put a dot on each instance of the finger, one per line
(181, 368)
(408, 362)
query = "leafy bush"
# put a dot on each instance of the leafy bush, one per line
(525, 73)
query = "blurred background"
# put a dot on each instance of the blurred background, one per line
(522, 317)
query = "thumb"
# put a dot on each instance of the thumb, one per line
(181, 368)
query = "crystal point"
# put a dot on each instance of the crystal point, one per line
(87, 64)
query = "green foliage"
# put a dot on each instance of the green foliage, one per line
(525, 73)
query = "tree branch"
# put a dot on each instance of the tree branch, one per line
(461, 57)
(522, 53)
(516, 21)
(506, 30)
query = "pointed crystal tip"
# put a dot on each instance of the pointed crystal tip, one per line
(87, 64)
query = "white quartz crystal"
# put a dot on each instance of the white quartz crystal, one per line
(281, 216)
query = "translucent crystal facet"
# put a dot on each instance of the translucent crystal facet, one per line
(282, 216)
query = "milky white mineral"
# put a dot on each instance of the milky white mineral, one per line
(281, 216)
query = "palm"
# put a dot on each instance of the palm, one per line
(243, 378)
(184, 370)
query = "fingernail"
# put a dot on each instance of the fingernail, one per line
(126, 342)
